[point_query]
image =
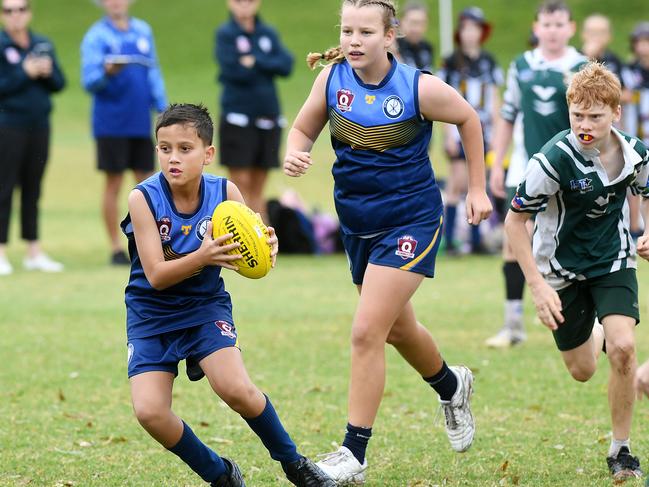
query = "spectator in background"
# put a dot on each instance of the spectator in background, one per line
(29, 74)
(474, 73)
(596, 37)
(119, 67)
(250, 56)
(413, 49)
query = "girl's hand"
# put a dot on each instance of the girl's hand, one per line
(296, 163)
(478, 206)
(274, 245)
(214, 251)
(548, 304)
(643, 247)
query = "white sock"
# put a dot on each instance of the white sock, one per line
(614, 449)
(514, 314)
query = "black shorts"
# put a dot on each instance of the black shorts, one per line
(248, 147)
(117, 154)
(610, 294)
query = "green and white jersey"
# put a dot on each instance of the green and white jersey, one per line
(536, 95)
(581, 228)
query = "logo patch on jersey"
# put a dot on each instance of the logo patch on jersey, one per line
(129, 353)
(370, 99)
(164, 227)
(265, 44)
(227, 330)
(243, 44)
(406, 247)
(186, 229)
(582, 185)
(344, 99)
(12, 55)
(517, 202)
(143, 45)
(201, 228)
(393, 107)
(526, 75)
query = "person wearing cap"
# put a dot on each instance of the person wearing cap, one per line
(413, 48)
(29, 74)
(474, 73)
(536, 97)
(119, 68)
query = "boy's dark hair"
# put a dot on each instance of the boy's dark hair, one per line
(196, 116)
(551, 6)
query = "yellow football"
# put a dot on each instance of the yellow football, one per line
(247, 229)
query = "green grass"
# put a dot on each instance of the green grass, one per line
(64, 397)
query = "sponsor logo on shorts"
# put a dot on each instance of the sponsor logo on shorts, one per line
(393, 107)
(201, 228)
(164, 227)
(129, 353)
(227, 330)
(406, 247)
(344, 99)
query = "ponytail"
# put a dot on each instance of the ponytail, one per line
(321, 59)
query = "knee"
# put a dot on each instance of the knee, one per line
(238, 395)
(581, 372)
(621, 351)
(149, 413)
(364, 337)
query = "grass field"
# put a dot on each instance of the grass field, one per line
(64, 398)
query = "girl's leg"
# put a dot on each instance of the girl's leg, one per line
(151, 396)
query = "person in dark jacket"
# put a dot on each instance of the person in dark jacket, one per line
(250, 56)
(29, 74)
(413, 48)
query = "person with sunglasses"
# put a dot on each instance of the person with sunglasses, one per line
(29, 74)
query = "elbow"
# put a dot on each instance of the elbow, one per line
(156, 281)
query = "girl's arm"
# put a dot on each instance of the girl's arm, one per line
(439, 101)
(161, 273)
(307, 126)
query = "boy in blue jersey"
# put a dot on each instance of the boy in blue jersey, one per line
(380, 114)
(178, 308)
(582, 264)
(119, 68)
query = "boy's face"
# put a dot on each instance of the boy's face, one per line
(182, 154)
(16, 15)
(116, 8)
(592, 125)
(554, 30)
(641, 47)
(596, 34)
(414, 24)
(243, 9)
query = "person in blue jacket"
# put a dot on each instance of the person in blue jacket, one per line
(29, 74)
(120, 70)
(250, 56)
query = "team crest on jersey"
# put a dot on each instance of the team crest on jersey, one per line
(393, 107)
(227, 330)
(186, 229)
(201, 228)
(344, 100)
(406, 247)
(164, 227)
(370, 99)
(517, 202)
(12, 55)
(526, 75)
(582, 185)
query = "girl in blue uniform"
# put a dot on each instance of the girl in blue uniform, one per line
(390, 209)
(178, 308)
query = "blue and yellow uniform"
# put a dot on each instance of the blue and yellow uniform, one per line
(386, 196)
(190, 319)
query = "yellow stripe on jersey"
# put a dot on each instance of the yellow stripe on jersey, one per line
(378, 138)
(169, 254)
(426, 251)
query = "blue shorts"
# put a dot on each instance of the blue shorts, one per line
(163, 352)
(409, 248)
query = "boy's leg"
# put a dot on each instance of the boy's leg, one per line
(151, 396)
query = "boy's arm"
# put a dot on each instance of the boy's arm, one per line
(160, 273)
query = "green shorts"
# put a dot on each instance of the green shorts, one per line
(610, 294)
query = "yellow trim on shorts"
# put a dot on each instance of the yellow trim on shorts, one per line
(416, 260)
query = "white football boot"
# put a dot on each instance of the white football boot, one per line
(5, 267)
(506, 338)
(460, 426)
(343, 467)
(42, 262)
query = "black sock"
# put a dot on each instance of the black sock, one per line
(514, 280)
(444, 382)
(356, 440)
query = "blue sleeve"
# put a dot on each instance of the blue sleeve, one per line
(56, 82)
(93, 50)
(12, 77)
(156, 83)
(227, 58)
(279, 61)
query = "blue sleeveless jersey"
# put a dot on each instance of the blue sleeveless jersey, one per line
(383, 176)
(199, 299)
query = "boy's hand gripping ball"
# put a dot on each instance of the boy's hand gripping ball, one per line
(247, 229)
